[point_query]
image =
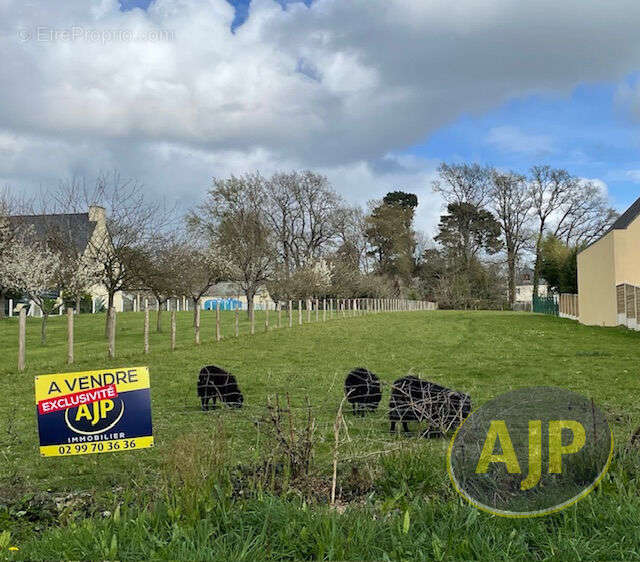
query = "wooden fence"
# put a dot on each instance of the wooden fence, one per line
(628, 305)
(317, 310)
(564, 305)
(568, 306)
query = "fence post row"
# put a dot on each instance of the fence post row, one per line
(146, 325)
(112, 332)
(218, 333)
(173, 329)
(628, 302)
(70, 336)
(197, 323)
(22, 339)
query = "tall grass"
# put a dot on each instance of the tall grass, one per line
(216, 486)
(409, 513)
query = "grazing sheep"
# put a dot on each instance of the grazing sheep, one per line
(414, 399)
(214, 383)
(362, 388)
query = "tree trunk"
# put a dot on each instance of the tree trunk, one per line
(195, 312)
(511, 264)
(78, 304)
(251, 312)
(536, 267)
(250, 305)
(3, 301)
(159, 318)
(43, 328)
(107, 324)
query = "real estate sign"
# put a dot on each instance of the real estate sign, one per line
(94, 411)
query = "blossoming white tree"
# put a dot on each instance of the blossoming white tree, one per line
(6, 235)
(31, 266)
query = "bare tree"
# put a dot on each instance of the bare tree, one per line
(159, 271)
(464, 183)
(201, 266)
(233, 220)
(551, 190)
(574, 210)
(586, 216)
(350, 225)
(511, 204)
(301, 209)
(132, 222)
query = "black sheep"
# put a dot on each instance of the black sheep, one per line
(414, 399)
(363, 391)
(214, 383)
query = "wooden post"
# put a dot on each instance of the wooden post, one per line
(112, 333)
(218, 334)
(317, 310)
(308, 310)
(237, 318)
(266, 318)
(197, 326)
(300, 312)
(324, 310)
(330, 308)
(173, 329)
(146, 326)
(70, 336)
(290, 314)
(22, 339)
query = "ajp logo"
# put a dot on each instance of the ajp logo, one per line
(94, 411)
(530, 452)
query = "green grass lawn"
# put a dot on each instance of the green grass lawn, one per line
(181, 499)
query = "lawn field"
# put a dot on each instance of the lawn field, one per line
(205, 491)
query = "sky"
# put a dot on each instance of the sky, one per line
(372, 93)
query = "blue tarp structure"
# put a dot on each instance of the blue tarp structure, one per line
(224, 304)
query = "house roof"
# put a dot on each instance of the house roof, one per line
(622, 222)
(626, 218)
(76, 226)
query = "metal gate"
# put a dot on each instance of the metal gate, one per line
(546, 305)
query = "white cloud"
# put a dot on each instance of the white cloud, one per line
(633, 175)
(338, 86)
(512, 139)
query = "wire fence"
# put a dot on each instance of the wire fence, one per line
(285, 314)
(291, 428)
